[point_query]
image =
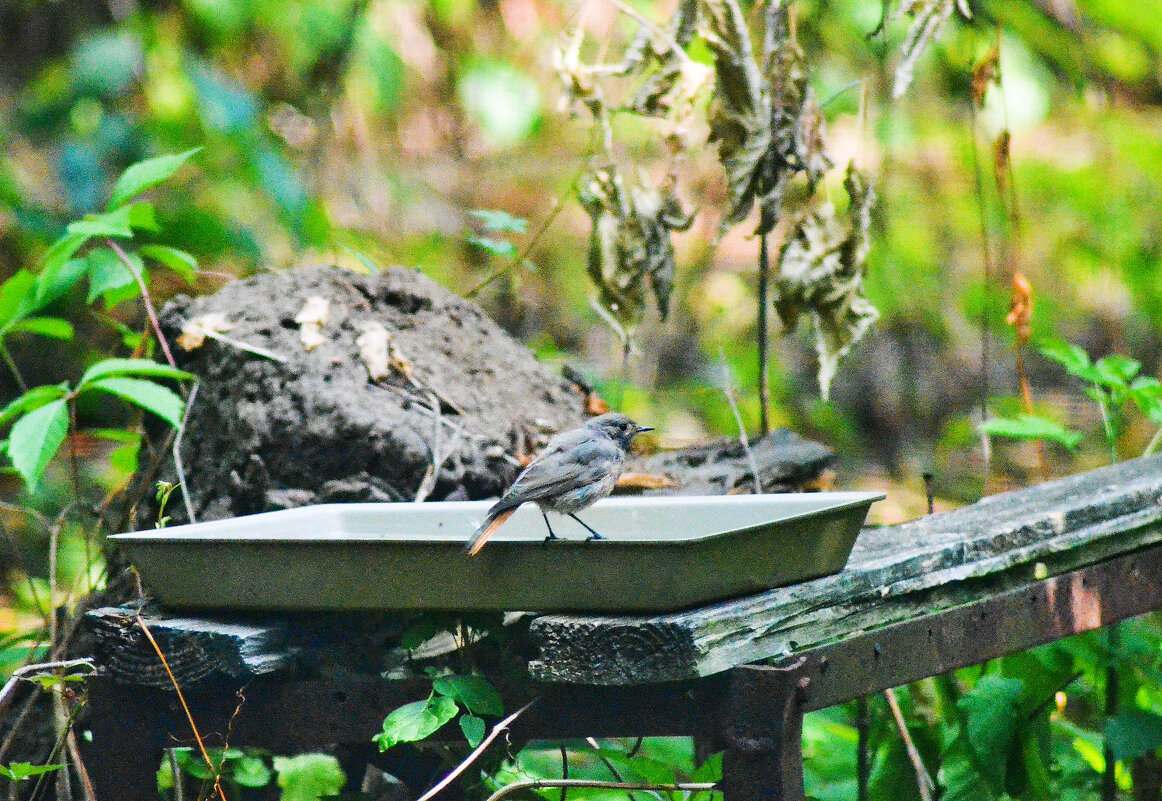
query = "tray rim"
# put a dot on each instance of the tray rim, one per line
(843, 500)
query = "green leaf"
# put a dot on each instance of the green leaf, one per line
(990, 715)
(143, 217)
(249, 770)
(61, 251)
(1029, 426)
(33, 399)
(1133, 733)
(497, 247)
(53, 327)
(500, 221)
(53, 282)
(144, 367)
(1071, 357)
(14, 293)
(415, 721)
(177, 260)
(309, 777)
(474, 692)
(162, 401)
(1117, 370)
(106, 273)
(19, 771)
(111, 223)
(35, 439)
(145, 175)
(473, 728)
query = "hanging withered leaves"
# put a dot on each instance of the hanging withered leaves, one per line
(196, 329)
(797, 125)
(821, 270)
(630, 243)
(740, 114)
(767, 123)
(928, 17)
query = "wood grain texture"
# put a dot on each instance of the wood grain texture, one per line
(894, 574)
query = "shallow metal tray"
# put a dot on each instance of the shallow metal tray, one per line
(661, 554)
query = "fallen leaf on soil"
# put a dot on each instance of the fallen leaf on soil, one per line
(311, 319)
(196, 329)
(374, 350)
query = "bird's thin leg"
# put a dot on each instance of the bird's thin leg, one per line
(551, 536)
(588, 528)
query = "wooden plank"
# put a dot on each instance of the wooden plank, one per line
(894, 574)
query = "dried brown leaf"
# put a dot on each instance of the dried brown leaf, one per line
(1021, 309)
(643, 481)
(984, 74)
(1001, 160)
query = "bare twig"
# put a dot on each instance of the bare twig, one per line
(497, 730)
(728, 390)
(609, 766)
(543, 784)
(182, 698)
(177, 455)
(564, 769)
(79, 765)
(923, 778)
(149, 310)
(440, 455)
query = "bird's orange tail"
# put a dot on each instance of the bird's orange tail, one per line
(477, 542)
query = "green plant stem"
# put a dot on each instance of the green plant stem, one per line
(1035, 772)
(1108, 425)
(763, 335)
(8, 360)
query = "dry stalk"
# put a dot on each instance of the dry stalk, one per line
(923, 779)
(189, 715)
(497, 730)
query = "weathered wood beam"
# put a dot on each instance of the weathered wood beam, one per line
(894, 574)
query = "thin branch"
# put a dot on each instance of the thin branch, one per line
(652, 27)
(548, 784)
(145, 299)
(609, 766)
(255, 349)
(177, 455)
(497, 730)
(182, 698)
(521, 257)
(764, 338)
(728, 390)
(28, 672)
(923, 778)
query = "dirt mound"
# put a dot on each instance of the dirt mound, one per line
(311, 426)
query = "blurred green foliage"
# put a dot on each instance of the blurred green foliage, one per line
(365, 132)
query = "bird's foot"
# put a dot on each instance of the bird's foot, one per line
(594, 536)
(551, 537)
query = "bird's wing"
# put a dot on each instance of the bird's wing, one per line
(574, 459)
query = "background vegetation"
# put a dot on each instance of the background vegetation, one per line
(364, 132)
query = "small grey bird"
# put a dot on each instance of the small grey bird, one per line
(577, 468)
